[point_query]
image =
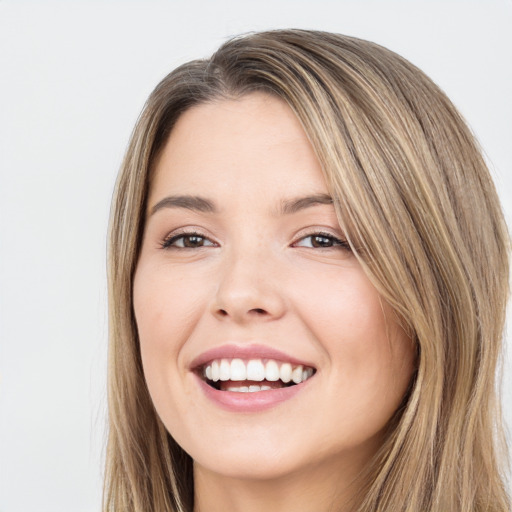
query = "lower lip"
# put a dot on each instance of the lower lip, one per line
(251, 401)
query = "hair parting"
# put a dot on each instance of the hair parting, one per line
(414, 196)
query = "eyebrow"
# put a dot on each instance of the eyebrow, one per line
(195, 203)
(301, 203)
(203, 205)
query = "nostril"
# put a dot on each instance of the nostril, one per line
(258, 311)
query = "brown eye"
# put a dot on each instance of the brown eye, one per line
(193, 241)
(187, 241)
(321, 241)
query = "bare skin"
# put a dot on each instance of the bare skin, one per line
(242, 248)
(330, 485)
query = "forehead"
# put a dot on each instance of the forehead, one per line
(235, 146)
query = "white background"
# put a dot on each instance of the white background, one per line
(73, 78)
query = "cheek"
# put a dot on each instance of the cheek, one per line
(345, 311)
(371, 359)
(166, 313)
(163, 305)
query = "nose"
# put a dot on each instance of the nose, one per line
(249, 290)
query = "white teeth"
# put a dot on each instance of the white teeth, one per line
(255, 370)
(297, 374)
(238, 371)
(271, 371)
(225, 370)
(248, 389)
(285, 372)
(253, 388)
(238, 389)
(215, 371)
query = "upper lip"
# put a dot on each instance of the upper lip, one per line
(247, 352)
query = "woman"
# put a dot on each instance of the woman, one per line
(308, 274)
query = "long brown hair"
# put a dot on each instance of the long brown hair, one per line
(413, 192)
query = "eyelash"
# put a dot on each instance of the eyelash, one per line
(168, 242)
(336, 242)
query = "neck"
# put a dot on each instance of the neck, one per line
(326, 487)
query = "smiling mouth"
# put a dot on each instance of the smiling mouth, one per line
(253, 375)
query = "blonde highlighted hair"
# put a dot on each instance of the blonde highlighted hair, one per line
(414, 195)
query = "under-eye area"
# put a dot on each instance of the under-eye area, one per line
(253, 375)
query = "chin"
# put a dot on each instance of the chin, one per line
(254, 465)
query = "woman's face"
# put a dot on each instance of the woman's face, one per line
(245, 275)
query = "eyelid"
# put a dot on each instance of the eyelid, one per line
(332, 239)
(166, 242)
(170, 238)
(320, 231)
